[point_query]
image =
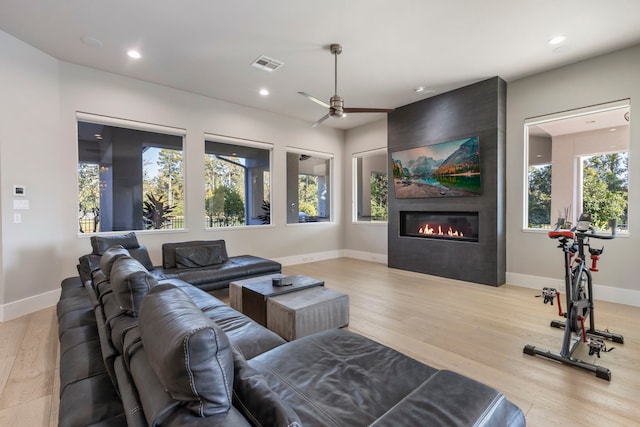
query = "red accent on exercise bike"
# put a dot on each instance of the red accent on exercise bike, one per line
(594, 262)
(564, 233)
(584, 333)
(560, 313)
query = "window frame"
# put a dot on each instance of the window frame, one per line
(354, 183)
(269, 147)
(136, 125)
(576, 161)
(317, 154)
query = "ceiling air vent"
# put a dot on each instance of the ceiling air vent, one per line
(267, 64)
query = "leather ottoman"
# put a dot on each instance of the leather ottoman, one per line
(305, 312)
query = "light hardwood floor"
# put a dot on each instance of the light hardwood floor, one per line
(475, 330)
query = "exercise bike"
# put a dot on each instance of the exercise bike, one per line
(578, 297)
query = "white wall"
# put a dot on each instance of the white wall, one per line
(365, 240)
(532, 259)
(30, 156)
(38, 148)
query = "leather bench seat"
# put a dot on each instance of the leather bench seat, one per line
(236, 267)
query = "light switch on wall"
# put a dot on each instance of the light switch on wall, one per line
(17, 218)
(21, 204)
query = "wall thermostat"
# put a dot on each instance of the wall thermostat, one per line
(19, 190)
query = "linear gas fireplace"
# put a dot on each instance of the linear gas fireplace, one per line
(460, 226)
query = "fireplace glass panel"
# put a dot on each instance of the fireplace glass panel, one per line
(461, 226)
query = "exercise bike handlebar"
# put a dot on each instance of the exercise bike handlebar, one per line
(589, 232)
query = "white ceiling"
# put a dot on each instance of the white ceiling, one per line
(610, 119)
(390, 47)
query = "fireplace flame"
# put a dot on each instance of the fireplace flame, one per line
(427, 229)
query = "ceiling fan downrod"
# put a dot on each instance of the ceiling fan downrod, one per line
(336, 102)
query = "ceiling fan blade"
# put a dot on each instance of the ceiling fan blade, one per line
(314, 99)
(322, 119)
(368, 110)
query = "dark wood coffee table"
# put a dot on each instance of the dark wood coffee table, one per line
(255, 295)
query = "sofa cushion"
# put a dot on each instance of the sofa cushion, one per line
(199, 256)
(100, 244)
(169, 250)
(450, 399)
(108, 258)
(129, 241)
(351, 382)
(189, 353)
(257, 402)
(87, 264)
(130, 281)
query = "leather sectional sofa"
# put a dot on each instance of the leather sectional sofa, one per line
(140, 352)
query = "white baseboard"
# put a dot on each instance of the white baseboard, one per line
(322, 256)
(28, 305)
(317, 256)
(366, 256)
(600, 292)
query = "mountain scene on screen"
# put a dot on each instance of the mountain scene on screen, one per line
(448, 169)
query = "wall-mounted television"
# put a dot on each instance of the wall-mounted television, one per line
(447, 169)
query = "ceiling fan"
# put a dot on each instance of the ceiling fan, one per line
(336, 103)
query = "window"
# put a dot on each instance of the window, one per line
(130, 175)
(237, 182)
(308, 188)
(578, 162)
(370, 186)
(605, 188)
(540, 196)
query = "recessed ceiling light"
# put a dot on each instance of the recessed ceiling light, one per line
(613, 130)
(422, 90)
(538, 155)
(134, 54)
(264, 92)
(557, 39)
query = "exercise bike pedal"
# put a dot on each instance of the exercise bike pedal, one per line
(557, 324)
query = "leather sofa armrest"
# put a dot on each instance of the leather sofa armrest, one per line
(447, 398)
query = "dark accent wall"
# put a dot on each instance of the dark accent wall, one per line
(475, 110)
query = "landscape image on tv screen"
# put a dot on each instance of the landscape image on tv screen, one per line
(448, 169)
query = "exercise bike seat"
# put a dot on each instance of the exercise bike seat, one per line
(561, 233)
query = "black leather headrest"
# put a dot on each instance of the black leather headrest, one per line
(189, 352)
